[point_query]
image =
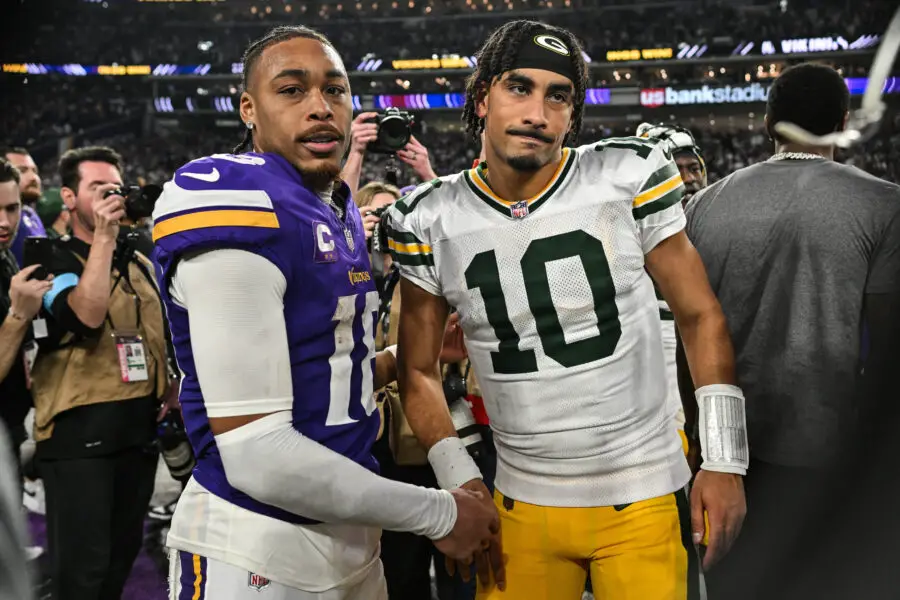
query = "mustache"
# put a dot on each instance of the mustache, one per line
(532, 133)
(318, 129)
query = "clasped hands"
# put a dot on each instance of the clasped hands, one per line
(475, 536)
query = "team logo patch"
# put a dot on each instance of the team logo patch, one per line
(519, 210)
(551, 43)
(357, 277)
(348, 235)
(257, 582)
(324, 251)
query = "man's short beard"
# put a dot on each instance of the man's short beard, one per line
(321, 177)
(12, 238)
(30, 197)
(527, 162)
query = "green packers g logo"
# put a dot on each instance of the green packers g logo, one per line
(551, 43)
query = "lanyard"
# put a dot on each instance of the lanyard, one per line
(134, 295)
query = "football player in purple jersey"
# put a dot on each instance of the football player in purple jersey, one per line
(262, 264)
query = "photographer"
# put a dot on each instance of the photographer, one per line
(20, 301)
(365, 137)
(371, 201)
(98, 384)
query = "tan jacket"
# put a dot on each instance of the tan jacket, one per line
(405, 446)
(87, 372)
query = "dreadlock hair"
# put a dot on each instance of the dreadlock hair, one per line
(255, 50)
(497, 56)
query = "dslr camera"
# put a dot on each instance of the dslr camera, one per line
(394, 131)
(139, 200)
(378, 241)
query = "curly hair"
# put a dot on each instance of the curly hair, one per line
(254, 52)
(498, 55)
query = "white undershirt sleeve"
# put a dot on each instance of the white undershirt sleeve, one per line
(234, 300)
(239, 341)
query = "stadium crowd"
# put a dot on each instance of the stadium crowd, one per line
(218, 33)
(154, 158)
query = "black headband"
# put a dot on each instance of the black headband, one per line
(543, 50)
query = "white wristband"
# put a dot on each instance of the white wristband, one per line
(452, 463)
(723, 429)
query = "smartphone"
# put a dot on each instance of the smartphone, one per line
(38, 251)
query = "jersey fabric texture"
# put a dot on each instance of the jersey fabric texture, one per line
(560, 317)
(259, 203)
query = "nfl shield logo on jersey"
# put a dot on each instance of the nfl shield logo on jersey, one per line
(519, 210)
(258, 582)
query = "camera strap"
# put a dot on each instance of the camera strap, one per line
(122, 258)
(387, 296)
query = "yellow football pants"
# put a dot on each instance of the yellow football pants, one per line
(639, 551)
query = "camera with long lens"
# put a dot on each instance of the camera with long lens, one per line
(139, 200)
(175, 447)
(378, 244)
(394, 131)
(455, 392)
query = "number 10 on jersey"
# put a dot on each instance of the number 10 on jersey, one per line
(342, 364)
(483, 273)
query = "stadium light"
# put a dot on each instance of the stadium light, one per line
(864, 122)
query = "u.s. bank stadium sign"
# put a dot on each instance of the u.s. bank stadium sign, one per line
(729, 94)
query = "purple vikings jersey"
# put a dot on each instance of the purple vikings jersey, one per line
(258, 203)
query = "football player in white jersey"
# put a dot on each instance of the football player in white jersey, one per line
(542, 249)
(688, 157)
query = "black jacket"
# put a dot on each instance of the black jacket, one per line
(15, 399)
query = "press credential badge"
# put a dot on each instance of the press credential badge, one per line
(132, 357)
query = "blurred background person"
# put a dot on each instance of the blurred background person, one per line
(53, 213)
(14, 582)
(30, 189)
(689, 158)
(20, 301)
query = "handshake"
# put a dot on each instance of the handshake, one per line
(475, 536)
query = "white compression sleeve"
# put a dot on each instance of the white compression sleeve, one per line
(269, 460)
(238, 337)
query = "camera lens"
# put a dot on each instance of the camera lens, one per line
(140, 201)
(394, 132)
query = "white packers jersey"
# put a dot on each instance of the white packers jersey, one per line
(560, 318)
